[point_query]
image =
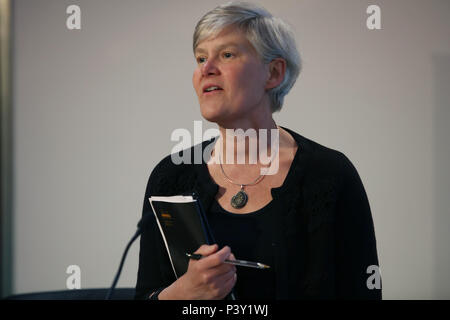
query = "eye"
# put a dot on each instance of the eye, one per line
(228, 54)
(199, 59)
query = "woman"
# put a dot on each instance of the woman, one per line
(310, 219)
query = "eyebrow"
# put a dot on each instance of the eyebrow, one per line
(225, 45)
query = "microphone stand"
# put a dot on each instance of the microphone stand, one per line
(145, 219)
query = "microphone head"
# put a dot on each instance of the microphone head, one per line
(144, 222)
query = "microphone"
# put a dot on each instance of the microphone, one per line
(140, 227)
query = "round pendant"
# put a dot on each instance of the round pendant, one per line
(239, 199)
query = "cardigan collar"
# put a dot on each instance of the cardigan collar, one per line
(206, 188)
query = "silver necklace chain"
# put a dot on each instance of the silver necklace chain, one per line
(246, 184)
(240, 199)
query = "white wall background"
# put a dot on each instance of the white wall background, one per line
(94, 109)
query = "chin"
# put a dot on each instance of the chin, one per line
(211, 114)
(211, 117)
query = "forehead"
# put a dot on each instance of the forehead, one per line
(228, 37)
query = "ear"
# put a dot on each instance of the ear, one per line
(277, 69)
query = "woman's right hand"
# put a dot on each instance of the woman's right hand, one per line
(206, 279)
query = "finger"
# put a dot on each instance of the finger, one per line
(232, 257)
(221, 269)
(229, 281)
(224, 253)
(220, 281)
(226, 276)
(216, 258)
(206, 250)
(232, 282)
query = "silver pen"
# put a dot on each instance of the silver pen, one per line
(243, 263)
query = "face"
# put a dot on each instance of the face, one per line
(230, 62)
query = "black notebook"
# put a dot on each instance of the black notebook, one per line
(183, 226)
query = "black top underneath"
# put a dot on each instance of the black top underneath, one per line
(250, 237)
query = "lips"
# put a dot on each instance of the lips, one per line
(210, 93)
(209, 85)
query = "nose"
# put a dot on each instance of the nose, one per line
(209, 67)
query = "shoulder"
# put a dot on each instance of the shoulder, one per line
(329, 181)
(319, 158)
(324, 165)
(176, 172)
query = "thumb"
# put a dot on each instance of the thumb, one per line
(206, 250)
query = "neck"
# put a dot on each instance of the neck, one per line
(248, 141)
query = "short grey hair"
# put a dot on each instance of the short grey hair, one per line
(270, 36)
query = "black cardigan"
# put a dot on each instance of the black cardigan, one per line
(325, 234)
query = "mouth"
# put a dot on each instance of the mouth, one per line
(212, 90)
